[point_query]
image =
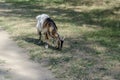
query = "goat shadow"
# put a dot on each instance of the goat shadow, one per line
(37, 42)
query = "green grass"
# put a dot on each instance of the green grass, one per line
(2, 61)
(92, 30)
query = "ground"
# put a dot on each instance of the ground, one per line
(16, 65)
(92, 30)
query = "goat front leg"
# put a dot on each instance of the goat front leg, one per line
(46, 40)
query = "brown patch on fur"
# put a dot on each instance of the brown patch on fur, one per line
(51, 31)
(51, 28)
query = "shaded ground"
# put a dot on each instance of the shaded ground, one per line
(92, 45)
(15, 63)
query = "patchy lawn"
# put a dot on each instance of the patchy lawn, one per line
(92, 30)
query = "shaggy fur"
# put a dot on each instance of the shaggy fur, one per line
(45, 25)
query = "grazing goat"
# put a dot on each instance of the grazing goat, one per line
(47, 27)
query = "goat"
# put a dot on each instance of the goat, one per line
(47, 27)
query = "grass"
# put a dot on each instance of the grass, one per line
(92, 30)
(2, 62)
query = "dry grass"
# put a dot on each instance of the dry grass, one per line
(92, 47)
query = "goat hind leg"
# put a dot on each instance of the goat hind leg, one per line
(46, 40)
(40, 35)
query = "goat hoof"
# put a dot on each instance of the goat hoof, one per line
(40, 42)
(58, 48)
(46, 46)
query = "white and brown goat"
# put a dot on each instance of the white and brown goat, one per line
(47, 27)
